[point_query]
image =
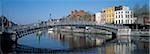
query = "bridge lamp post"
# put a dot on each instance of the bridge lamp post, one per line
(50, 16)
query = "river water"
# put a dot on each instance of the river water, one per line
(79, 43)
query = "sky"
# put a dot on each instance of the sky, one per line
(32, 11)
(0, 8)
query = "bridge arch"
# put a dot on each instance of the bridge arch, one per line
(107, 27)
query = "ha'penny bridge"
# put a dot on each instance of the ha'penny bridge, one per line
(23, 30)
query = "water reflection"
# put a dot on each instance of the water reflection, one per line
(80, 42)
(117, 48)
(75, 42)
(38, 36)
(122, 48)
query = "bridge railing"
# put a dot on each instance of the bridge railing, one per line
(144, 30)
(78, 22)
(53, 23)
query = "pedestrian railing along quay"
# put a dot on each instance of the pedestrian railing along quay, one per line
(140, 32)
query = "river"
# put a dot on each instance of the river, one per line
(78, 43)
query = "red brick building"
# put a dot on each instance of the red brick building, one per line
(81, 15)
(146, 21)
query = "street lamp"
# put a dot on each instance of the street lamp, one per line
(50, 15)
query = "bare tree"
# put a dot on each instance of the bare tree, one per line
(141, 10)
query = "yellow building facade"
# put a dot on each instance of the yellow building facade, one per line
(109, 14)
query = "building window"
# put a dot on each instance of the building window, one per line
(127, 11)
(131, 16)
(128, 22)
(122, 21)
(116, 16)
(131, 21)
(126, 16)
(119, 22)
(121, 16)
(116, 21)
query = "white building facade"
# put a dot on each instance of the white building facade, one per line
(99, 19)
(124, 16)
